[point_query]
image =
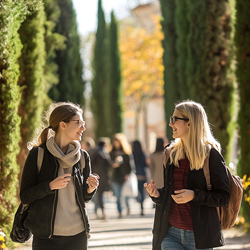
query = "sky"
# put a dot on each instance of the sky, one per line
(86, 12)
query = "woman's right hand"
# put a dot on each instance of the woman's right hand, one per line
(60, 182)
(151, 189)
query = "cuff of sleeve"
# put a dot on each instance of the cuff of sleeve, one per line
(88, 197)
(48, 190)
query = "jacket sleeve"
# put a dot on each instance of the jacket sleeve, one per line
(219, 196)
(86, 172)
(31, 190)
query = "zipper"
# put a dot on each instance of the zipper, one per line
(86, 228)
(53, 208)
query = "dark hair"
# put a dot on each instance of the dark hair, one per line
(159, 145)
(137, 149)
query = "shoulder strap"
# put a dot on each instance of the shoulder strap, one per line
(206, 171)
(82, 161)
(40, 158)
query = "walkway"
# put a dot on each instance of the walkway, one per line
(135, 231)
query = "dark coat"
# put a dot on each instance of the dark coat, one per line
(101, 163)
(35, 190)
(118, 174)
(140, 164)
(206, 225)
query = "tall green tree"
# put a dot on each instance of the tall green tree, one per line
(53, 42)
(99, 82)
(31, 79)
(182, 30)
(242, 42)
(115, 79)
(12, 14)
(209, 61)
(70, 66)
(171, 87)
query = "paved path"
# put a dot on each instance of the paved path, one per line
(134, 231)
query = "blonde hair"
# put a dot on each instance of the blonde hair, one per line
(58, 112)
(199, 139)
(125, 146)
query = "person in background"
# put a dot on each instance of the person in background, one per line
(88, 144)
(156, 165)
(186, 212)
(58, 193)
(122, 165)
(140, 166)
(101, 163)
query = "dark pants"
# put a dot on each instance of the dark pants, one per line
(141, 191)
(76, 242)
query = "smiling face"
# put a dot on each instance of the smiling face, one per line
(74, 128)
(180, 127)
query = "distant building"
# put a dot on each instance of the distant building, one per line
(143, 12)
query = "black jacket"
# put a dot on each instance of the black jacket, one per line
(118, 174)
(206, 225)
(35, 190)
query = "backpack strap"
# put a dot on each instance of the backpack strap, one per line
(82, 161)
(40, 158)
(206, 171)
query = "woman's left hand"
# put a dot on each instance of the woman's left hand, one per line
(183, 196)
(93, 182)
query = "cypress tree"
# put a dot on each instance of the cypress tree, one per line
(114, 83)
(70, 66)
(53, 41)
(31, 80)
(208, 62)
(12, 14)
(182, 29)
(171, 87)
(242, 41)
(99, 82)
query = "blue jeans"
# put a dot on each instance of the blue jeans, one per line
(179, 239)
(117, 189)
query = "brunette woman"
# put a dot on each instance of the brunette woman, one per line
(58, 192)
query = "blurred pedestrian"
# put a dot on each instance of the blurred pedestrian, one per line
(123, 163)
(156, 165)
(58, 193)
(140, 166)
(101, 163)
(88, 144)
(186, 212)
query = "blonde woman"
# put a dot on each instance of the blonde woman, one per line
(186, 215)
(57, 194)
(123, 163)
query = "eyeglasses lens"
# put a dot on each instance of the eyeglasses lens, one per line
(172, 120)
(81, 124)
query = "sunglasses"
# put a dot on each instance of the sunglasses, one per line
(79, 123)
(173, 119)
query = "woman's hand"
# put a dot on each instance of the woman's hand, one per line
(116, 165)
(152, 190)
(93, 182)
(183, 196)
(60, 182)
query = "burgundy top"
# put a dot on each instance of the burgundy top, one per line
(180, 214)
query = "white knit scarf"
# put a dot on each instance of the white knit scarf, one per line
(72, 156)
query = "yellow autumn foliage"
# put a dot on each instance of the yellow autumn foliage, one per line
(246, 184)
(142, 66)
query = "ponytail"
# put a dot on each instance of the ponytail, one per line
(39, 140)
